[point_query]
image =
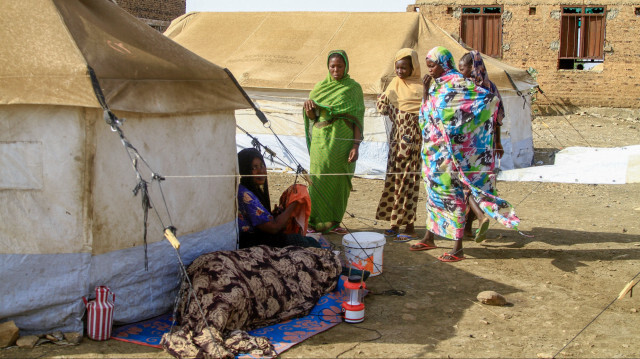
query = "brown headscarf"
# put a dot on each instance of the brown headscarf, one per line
(406, 94)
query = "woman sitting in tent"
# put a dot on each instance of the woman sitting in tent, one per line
(257, 225)
(457, 120)
(333, 118)
(401, 102)
(472, 68)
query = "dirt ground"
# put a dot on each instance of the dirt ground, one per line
(585, 248)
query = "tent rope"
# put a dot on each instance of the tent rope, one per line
(142, 187)
(134, 155)
(553, 103)
(591, 322)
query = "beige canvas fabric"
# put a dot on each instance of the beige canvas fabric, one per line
(70, 220)
(287, 50)
(48, 44)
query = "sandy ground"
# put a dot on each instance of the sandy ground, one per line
(585, 248)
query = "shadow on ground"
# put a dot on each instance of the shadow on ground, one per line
(437, 295)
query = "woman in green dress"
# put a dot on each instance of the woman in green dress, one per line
(333, 118)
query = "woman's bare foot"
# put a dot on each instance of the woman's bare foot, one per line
(468, 232)
(425, 242)
(457, 249)
(410, 229)
(468, 224)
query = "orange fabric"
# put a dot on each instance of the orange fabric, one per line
(300, 217)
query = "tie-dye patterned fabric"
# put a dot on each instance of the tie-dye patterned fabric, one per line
(481, 77)
(457, 127)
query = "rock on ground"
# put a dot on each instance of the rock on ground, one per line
(9, 333)
(491, 298)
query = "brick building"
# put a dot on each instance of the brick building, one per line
(586, 52)
(156, 13)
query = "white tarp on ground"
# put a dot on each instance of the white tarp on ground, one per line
(590, 165)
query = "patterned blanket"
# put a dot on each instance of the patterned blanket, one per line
(245, 289)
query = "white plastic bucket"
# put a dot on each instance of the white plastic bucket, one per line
(365, 249)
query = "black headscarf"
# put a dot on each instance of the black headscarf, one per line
(245, 159)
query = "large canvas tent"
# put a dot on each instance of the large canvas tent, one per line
(70, 221)
(278, 58)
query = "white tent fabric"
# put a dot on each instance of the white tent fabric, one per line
(589, 165)
(286, 123)
(280, 56)
(70, 220)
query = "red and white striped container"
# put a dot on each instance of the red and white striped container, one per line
(100, 314)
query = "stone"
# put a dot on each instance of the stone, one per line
(55, 336)
(408, 317)
(74, 338)
(411, 305)
(28, 341)
(9, 333)
(490, 297)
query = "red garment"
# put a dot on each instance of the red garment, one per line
(300, 217)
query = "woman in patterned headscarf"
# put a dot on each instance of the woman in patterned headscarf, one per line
(333, 117)
(401, 102)
(456, 120)
(472, 67)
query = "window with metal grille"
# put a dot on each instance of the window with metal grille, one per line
(581, 37)
(481, 29)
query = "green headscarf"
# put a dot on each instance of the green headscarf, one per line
(337, 99)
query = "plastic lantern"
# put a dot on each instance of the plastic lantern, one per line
(353, 308)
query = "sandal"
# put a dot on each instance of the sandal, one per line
(339, 230)
(391, 233)
(446, 257)
(401, 238)
(421, 247)
(481, 233)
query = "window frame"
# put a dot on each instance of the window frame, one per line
(581, 51)
(482, 16)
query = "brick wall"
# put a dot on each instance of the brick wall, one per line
(157, 13)
(532, 41)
